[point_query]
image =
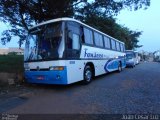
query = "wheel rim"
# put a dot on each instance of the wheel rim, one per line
(88, 75)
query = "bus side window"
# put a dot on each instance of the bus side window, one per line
(113, 44)
(118, 46)
(121, 47)
(98, 39)
(88, 36)
(107, 42)
(124, 47)
(73, 41)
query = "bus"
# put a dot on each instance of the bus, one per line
(64, 51)
(130, 58)
(138, 58)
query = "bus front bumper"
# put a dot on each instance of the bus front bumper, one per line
(47, 77)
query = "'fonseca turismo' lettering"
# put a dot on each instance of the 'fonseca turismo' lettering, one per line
(88, 54)
(98, 55)
(92, 55)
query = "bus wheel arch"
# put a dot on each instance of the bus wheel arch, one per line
(89, 73)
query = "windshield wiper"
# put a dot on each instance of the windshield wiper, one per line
(36, 30)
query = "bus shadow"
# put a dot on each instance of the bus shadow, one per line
(76, 85)
(51, 86)
(105, 75)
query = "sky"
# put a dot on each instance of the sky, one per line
(147, 21)
(13, 42)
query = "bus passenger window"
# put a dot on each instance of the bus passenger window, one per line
(122, 47)
(107, 42)
(98, 39)
(113, 43)
(88, 36)
(118, 46)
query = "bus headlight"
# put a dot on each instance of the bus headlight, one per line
(26, 67)
(56, 68)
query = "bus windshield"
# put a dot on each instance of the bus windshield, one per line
(129, 56)
(43, 42)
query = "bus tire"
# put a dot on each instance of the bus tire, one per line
(119, 67)
(88, 75)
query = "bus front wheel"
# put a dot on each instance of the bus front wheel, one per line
(87, 75)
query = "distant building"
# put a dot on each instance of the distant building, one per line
(18, 51)
(5, 51)
(157, 56)
(146, 56)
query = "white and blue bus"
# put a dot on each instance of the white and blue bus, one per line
(65, 51)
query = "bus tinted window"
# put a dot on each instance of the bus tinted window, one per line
(113, 43)
(118, 46)
(98, 39)
(73, 41)
(121, 47)
(75, 44)
(107, 42)
(72, 26)
(88, 37)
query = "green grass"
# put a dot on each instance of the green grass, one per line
(11, 63)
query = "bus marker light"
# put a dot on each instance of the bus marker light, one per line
(56, 68)
(58, 77)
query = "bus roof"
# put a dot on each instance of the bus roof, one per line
(131, 51)
(71, 19)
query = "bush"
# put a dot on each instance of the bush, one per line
(11, 63)
(12, 53)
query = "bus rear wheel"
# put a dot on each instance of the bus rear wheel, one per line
(88, 75)
(119, 67)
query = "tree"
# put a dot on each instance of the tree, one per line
(109, 26)
(109, 7)
(22, 14)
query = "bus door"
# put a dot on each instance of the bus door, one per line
(73, 40)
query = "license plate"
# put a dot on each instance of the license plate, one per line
(40, 78)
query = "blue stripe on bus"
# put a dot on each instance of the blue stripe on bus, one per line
(47, 77)
(112, 64)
